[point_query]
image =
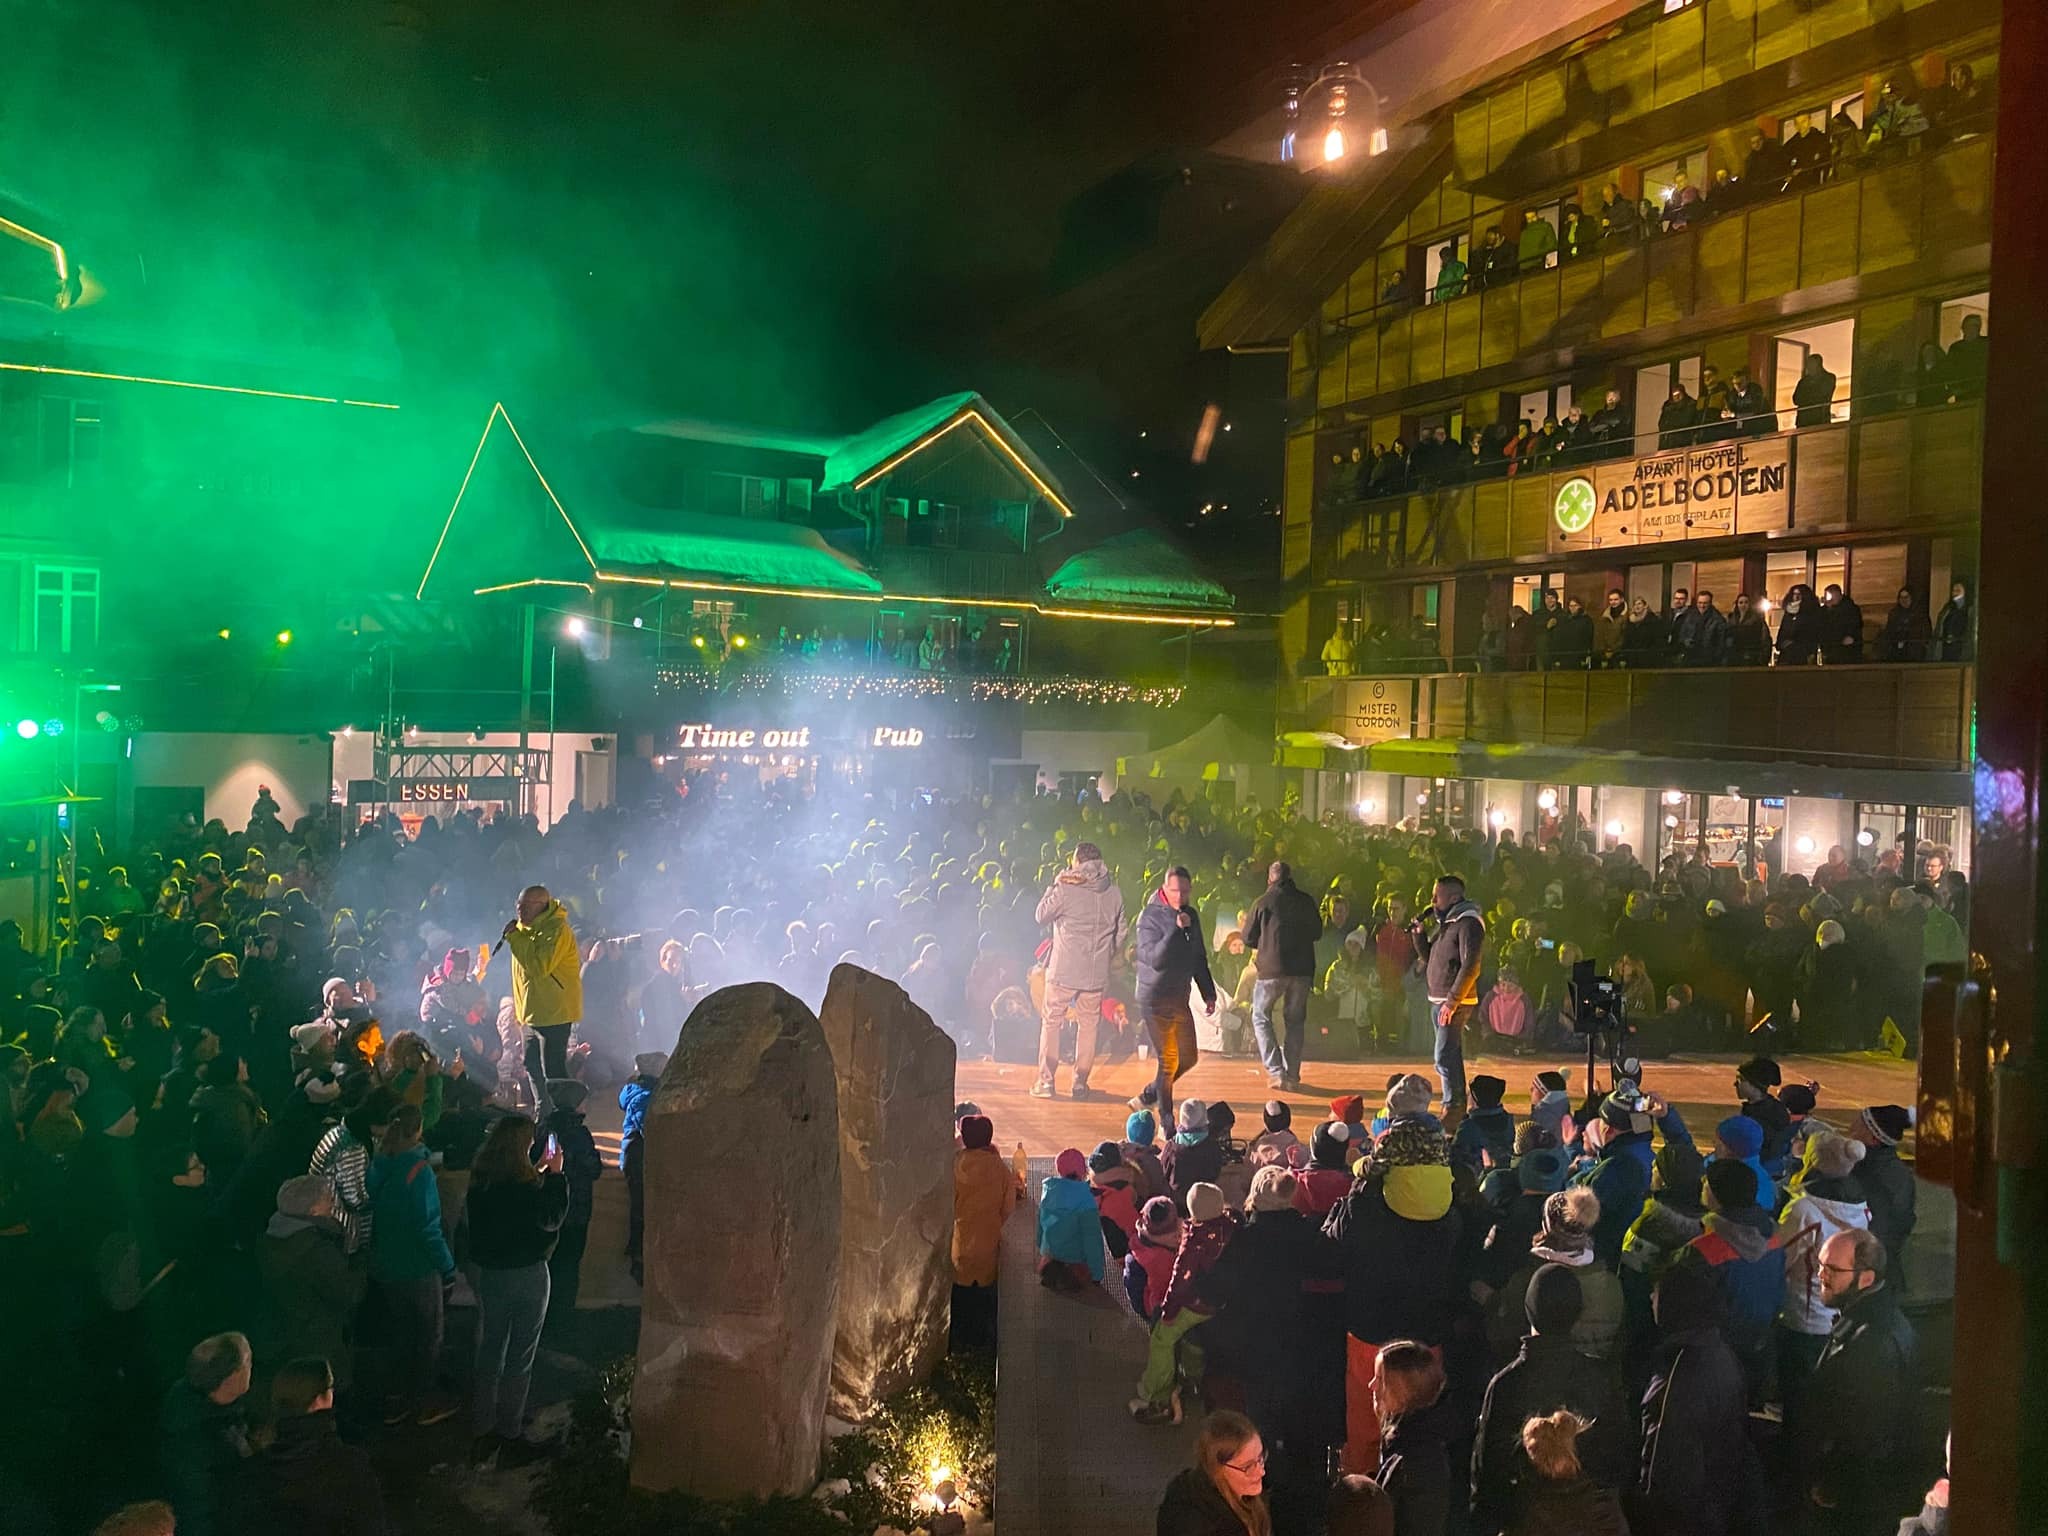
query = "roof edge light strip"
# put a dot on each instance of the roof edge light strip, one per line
(969, 414)
(198, 384)
(53, 247)
(1178, 621)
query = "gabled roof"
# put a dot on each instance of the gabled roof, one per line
(868, 455)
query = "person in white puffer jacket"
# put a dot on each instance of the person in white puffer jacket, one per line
(1085, 911)
(1825, 1197)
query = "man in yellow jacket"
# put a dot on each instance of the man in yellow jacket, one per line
(547, 974)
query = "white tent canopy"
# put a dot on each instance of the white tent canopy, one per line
(1222, 749)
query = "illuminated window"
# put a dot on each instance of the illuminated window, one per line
(1834, 344)
(1955, 311)
(67, 608)
(1661, 180)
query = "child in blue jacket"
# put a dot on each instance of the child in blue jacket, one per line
(634, 1099)
(1069, 1227)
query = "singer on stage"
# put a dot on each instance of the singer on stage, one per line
(547, 974)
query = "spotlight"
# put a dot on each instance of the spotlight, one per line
(27, 730)
(1674, 797)
(53, 727)
(1547, 799)
(1865, 838)
(575, 629)
(284, 637)
(1671, 821)
(1803, 844)
(1498, 819)
(226, 634)
(1367, 807)
(739, 642)
(638, 622)
(697, 641)
(1614, 829)
(1422, 799)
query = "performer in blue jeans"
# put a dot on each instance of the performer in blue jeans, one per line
(1452, 946)
(1282, 930)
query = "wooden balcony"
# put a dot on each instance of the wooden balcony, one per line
(958, 572)
(1894, 472)
(1914, 717)
(1918, 209)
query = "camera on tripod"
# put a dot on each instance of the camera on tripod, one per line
(1593, 1003)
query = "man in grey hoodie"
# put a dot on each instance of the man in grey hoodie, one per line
(1085, 911)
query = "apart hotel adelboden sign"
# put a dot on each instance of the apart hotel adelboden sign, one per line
(1693, 493)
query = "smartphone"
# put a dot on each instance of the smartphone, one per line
(554, 1145)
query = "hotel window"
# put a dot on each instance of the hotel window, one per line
(1834, 342)
(1955, 311)
(1653, 387)
(1660, 179)
(1536, 404)
(1433, 261)
(71, 440)
(67, 608)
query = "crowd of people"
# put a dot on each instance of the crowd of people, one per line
(1441, 1320)
(279, 1117)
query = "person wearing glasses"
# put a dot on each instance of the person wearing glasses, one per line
(1223, 1493)
(1855, 1452)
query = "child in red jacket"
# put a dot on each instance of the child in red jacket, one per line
(1116, 1197)
(1148, 1267)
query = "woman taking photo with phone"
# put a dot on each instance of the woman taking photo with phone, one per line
(515, 1212)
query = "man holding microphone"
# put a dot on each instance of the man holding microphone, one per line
(547, 974)
(1452, 946)
(1172, 959)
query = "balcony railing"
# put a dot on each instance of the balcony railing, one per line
(1899, 470)
(1889, 216)
(1880, 715)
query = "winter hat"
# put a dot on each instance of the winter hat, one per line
(1733, 1185)
(1107, 1155)
(650, 1063)
(1569, 1217)
(1617, 1112)
(1350, 1109)
(1829, 934)
(1553, 1301)
(1887, 1124)
(1277, 1115)
(1272, 1190)
(1487, 1092)
(977, 1131)
(1159, 1216)
(1410, 1096)
(1141, 1128)
(1831, 1155)
(1742, 1136)
(1222, 1120)
(1070, 1164)
(309, 1037)
(297, 1197)
(1330, 1144)
(1717, 908)
(1799, 1098)
(1541, 1171)
(1760, 1071)
(1531, 1135)
(567, 1092)
(1552, 1082)
(1688, 1296)
(1411, 1144)
(1083, 852)
(1205, 1202)
(1679, 1168)
(1194, 1115)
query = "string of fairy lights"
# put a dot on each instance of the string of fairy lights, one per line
(758, 683)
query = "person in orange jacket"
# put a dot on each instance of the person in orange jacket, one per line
(984, 1193)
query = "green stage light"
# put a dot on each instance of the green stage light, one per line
(27, 730)
(284, 637)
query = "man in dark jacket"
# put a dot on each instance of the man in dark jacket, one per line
(1172, 960)
(309, 1481)
(1907, 634)
(1888, 1185)
(1700, 1474)
(1841, 628)
(1548, 1374)
(1282, 931)
(203, 1433)
(1452, 946)
(312, 1291)
(1855, 1461)
(1813, 396)
(1702, 634)
(1752, 407)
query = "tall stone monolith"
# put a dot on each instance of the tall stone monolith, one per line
(895, 1071)
(741, 1252)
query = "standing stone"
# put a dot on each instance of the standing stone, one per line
(895, 1071)
(741, 1250)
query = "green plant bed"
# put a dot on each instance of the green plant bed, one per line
(889, 1466)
